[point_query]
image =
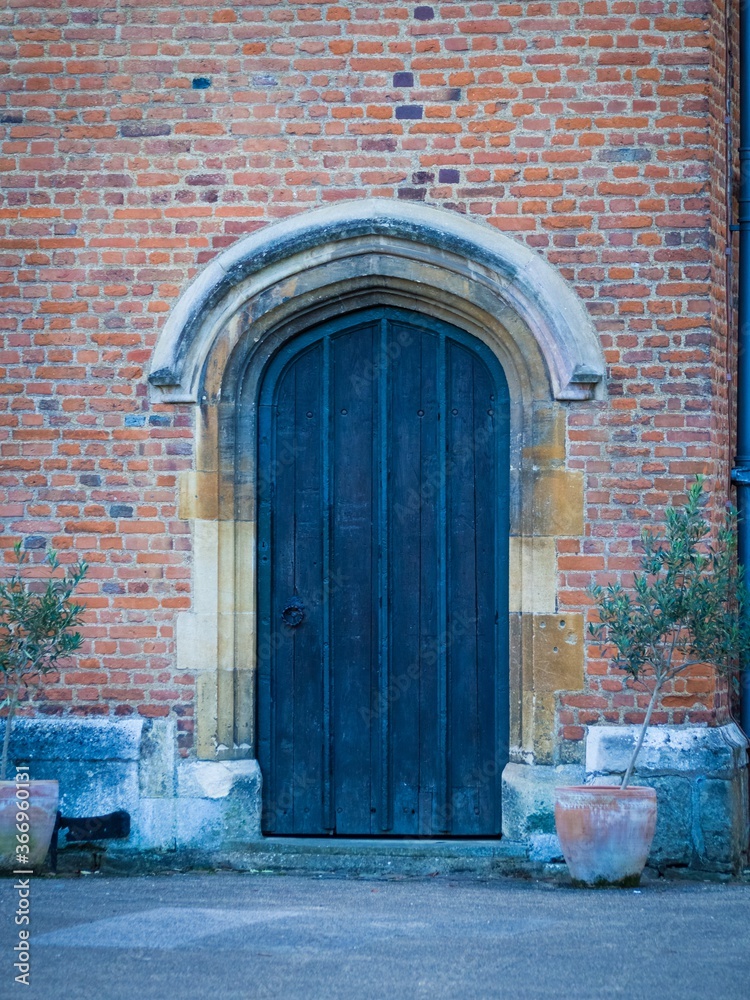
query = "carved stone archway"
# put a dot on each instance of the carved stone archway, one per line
(273, 285)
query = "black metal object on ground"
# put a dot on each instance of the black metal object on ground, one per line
(113, 826)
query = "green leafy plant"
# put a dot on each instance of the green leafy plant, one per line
(688, 605)
(37, 623)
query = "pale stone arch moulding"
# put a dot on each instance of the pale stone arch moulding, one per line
(268, 288)
(523, 282)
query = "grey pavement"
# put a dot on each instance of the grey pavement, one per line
(246, 936)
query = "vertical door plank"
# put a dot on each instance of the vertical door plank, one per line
(442, 800)
(492, 749)
(277, 645)
(382, 602)
(406, 344)
(307, 638)
(494, 561)
(461, 578)
(431, 590)
(273, 817)
(353, 568)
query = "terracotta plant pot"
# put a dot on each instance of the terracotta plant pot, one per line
(605, 832)
(43, 800)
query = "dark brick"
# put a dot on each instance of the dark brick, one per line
(135, 420)
(11, 118)
(387, 145)
(121, 510)
(422, 177)
(90, 479)
(137, 130)
(159, 420)
(403, 79)
(411, 194)
(409, 111)
(424, 13)
(625, 154)
(35, 542)
(180, 448)
(201, 83)
(448, 175)
(205, 179)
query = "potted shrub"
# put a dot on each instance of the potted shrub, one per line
(688, 606)
(37, 629)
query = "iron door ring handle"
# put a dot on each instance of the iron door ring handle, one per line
(293, 613)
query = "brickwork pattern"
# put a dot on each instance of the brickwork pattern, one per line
(137, 141)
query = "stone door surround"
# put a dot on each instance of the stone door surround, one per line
(317, 266)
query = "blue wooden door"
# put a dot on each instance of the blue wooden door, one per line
(382, 580)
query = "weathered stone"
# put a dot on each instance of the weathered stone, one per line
(75, 739)
(211, 779)
(534, 570)
(550, 309)
(197, 641)
(551, 649)
(199, 495)
(205, 567)
(548, 444)
(673, 839)
(545, 847)
(722, 819)
(558, 652)
(529, 798)
(558, 502)
(153, 826)
(716, 751)
(93, 787)
(220, 803)
(157, 765)
(544, 727)
(206, 715)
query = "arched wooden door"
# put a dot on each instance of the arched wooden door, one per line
(382, 580)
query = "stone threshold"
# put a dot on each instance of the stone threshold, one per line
(317, 855)
(386, 856)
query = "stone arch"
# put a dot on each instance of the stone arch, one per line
(270, 287)
(520, 282)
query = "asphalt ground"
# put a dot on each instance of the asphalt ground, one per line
(246, 936)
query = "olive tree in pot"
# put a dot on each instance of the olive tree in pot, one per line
(38, 619)
(688, 606)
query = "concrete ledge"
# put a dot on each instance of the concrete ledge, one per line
(97, 762)
(351, 856)
(75, 739)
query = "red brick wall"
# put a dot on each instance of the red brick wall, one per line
(591, 131)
